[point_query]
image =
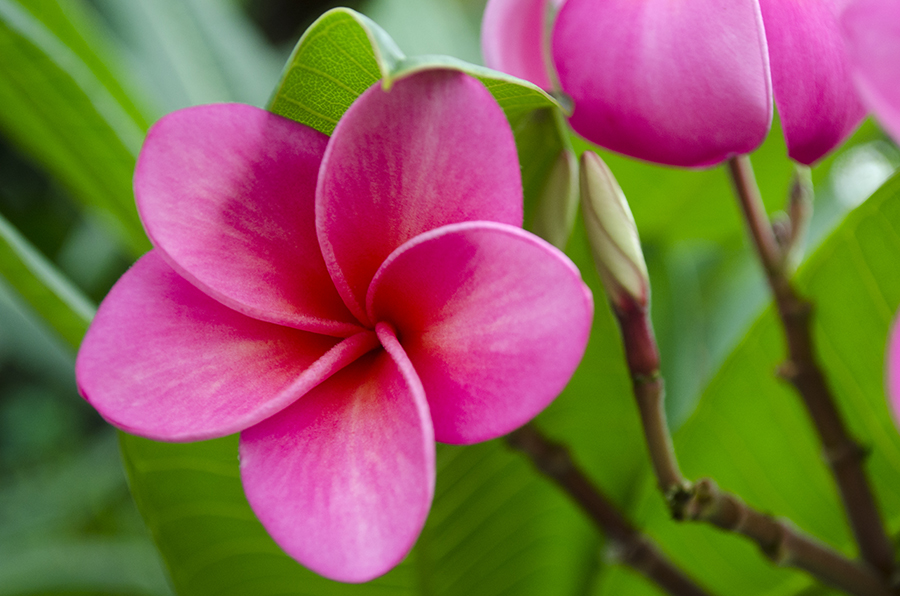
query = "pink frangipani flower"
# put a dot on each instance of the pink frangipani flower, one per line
(892, 370)
(871, 31)
(686, 83)
(341, 302)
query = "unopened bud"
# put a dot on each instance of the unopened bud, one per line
(557, 204)
(613, 236)
(799, 212)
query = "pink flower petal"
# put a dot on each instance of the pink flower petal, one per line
(811, 76)
(678, 83)
(512, 34)
(872, 32)
(435, 149)
(344, 478)
(494, 320)
(893, 370)
(227, 193)
(165, 361)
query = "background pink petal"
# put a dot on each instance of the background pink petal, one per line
(811, 77)
(165, 361)
(435, 149)
(227, 193)
(678, 83)
(494, 320)
(893, 370)
(343, 479)
(512, 34)
(872, 34)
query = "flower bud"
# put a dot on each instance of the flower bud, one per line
(613, 236)
(799, 211)
(558, 202)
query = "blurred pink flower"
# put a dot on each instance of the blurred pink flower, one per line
(871, 29)
(686, 83)
(342, 303)
(892, 372)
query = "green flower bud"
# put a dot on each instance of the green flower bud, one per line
(613, 236)
(557, 204)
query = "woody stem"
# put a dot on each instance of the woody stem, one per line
(704, 501)
(637, 550)
(843, 454)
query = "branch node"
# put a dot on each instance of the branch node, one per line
(796, 310)
(788, 371)
(646, 379)
(848, 451)
(679, 498)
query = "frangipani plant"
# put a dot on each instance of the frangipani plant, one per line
(746, 460)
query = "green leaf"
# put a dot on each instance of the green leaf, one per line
(64, 108)
(751, 434)
(494, 528)
(344, 53)
(49, 292)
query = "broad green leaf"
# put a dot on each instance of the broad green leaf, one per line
(494, 528)
(64, 108)
(46, 290)
(750, 432)
(344, 53)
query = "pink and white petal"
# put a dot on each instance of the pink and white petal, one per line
(872, 35)
(344, 478)
(165, 361)
(435, 149)
(494, 320)
(512, 39)
(227, 193)
(811, 76)
(677, 83)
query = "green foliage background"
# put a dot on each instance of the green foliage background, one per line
(80, 83)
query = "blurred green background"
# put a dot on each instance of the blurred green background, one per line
(68, 524)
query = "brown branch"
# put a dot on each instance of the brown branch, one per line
(779, 541)
(635, 550)
(842, 452)
(642, 355)
(703, 501)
